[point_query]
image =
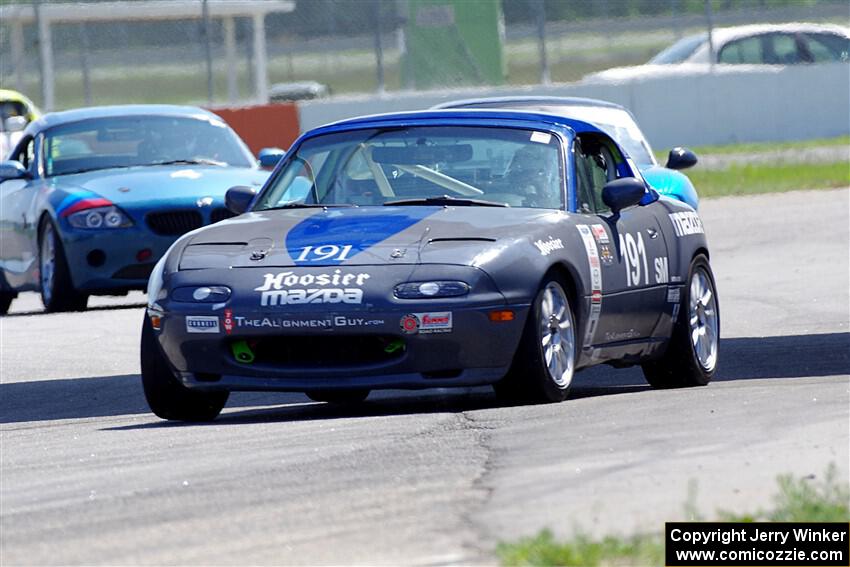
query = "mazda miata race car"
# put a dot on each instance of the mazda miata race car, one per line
(433, 249)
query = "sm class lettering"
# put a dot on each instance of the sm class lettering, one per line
(633, 252)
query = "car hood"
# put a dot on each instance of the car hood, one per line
(142, 185)
(364, 236)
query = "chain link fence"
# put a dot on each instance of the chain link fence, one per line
(352, 46)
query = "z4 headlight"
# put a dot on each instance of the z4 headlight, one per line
(100, 218)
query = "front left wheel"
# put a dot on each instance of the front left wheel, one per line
(166, 396)
(544, 364)
(57, 289)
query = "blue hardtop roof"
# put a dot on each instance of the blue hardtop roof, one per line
(521, 99)
(93, 112)
(465, 117)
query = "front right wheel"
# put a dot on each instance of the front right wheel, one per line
(691, 355)
(166, 396)
(545, 360)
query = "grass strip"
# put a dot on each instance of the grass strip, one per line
(798, 500)
(760, 147)
(769, 178)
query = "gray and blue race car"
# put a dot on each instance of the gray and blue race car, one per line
(429, 250)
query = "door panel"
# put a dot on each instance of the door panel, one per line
(635, 269)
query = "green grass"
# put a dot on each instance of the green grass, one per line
(801, 500)
(543, 549)
(769, 178)
(759, 147)
(798, 500)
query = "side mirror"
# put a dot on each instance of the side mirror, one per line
(238, 198)
(15, 123)
(622, 193)
(269, 157)
(12, 169)
(681, 158)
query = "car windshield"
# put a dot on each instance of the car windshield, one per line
(424, 165)
(679, 51)
(129, 141)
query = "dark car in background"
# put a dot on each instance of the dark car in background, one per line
(90, 199)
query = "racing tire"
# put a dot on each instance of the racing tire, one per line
(57, 289)
(353, 396)
(6, 298)
(544, 364)
(691, 355)
(166, 396)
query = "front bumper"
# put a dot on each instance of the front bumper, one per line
(309, 346)
(107, 260)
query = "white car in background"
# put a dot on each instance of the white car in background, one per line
(759, 44)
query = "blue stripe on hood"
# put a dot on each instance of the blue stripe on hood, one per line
(358, 228)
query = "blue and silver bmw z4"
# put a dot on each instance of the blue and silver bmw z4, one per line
(90, 199)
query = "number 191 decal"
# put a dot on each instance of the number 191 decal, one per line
(634, 254)
(324, 253)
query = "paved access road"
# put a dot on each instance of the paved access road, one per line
(89, 477)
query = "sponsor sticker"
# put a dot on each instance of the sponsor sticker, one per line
(615, 336)
(425, 323)
(595, 282)
(409, 324)
(606, 255)
(290, 323)
(546, 247)
(673, 295)
(202, 324)
(541, 137)
(686, 223)
(228, 321)
(289, 288)
(600, 234)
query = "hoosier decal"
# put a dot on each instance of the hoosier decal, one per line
(546, 247)
(686, 223)
(288, 288)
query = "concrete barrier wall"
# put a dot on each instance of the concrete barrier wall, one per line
(701, 108)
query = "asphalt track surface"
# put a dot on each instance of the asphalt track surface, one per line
(90, 477)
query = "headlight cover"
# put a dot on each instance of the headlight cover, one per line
(201, 294)
(430, 289)
(100, 218)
